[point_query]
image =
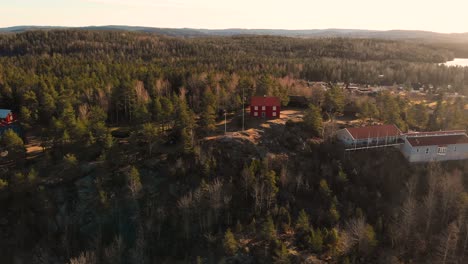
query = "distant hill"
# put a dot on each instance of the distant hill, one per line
(307, 33)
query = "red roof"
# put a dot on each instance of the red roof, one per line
(438, 140)
(265, 101)
(374, 131)
(435, 133)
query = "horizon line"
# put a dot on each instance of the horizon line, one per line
(234, 28)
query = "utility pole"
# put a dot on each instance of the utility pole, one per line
(243, 108)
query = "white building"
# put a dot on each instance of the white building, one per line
(416, 147)
(435, 146)
(369, 136)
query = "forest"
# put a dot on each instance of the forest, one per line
(133, 167)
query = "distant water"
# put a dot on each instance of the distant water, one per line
(457, 62)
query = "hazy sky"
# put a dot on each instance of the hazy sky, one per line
(433, 15)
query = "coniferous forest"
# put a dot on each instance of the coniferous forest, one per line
(132, 165)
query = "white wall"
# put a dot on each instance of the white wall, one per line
(418, 154)
(344, 136)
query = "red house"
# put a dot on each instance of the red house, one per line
(265, 107)
(6, 117)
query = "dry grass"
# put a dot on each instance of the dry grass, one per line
(257, 125)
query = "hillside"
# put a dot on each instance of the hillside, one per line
(122, 156)
(305, 33)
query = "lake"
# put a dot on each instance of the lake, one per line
(457, 62)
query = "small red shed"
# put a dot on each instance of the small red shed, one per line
(6, 116)
(265, 107)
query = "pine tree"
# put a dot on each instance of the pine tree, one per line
(302, 223)
(157, 110)
(280, 253)
(151, 135)
(342, 178)
(252, 227)
(199, 260)
(239, 227)
(134, 182)
(316, 240)
(264, 85)
(3, 184)
(334, 100)
(370, 241)
(269, 230)
(325, 190)
(27, 119)
(303, 230)
(208, 119)
(229, 243)
(184, 123)
(167, 111)
(108, 141)
(333, 214)
(331, 239)
(12, 143)
(141, 113)
(284, 219)
(208, 116)
(313, 120)
(270, 188)
(418, 116)
(70, 161)
(32, 175)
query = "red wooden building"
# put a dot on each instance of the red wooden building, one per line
(6, 117)
(265, 107)
(8, 121)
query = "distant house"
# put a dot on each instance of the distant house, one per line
(265, 107)
(6, 116)
(369, 135)
(8, 121)
(352, 87)
(435, 146)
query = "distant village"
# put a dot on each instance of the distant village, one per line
(414, 89)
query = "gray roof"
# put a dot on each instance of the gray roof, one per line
(4, 113)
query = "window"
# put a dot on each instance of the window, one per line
(274, 113)
(255, 113)
(442, 150)
(263, 108)
(274, 108)
(255, 107)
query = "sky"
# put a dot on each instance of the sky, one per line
(447, 16)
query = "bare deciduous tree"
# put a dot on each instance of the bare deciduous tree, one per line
(429, 202)
(448, 244)
(86, 257)
(185, 205)
(162, 87)
(114, 252)
(358, 234)
(451, 187)
(138, 254)
(141, 93)
(407, 220)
